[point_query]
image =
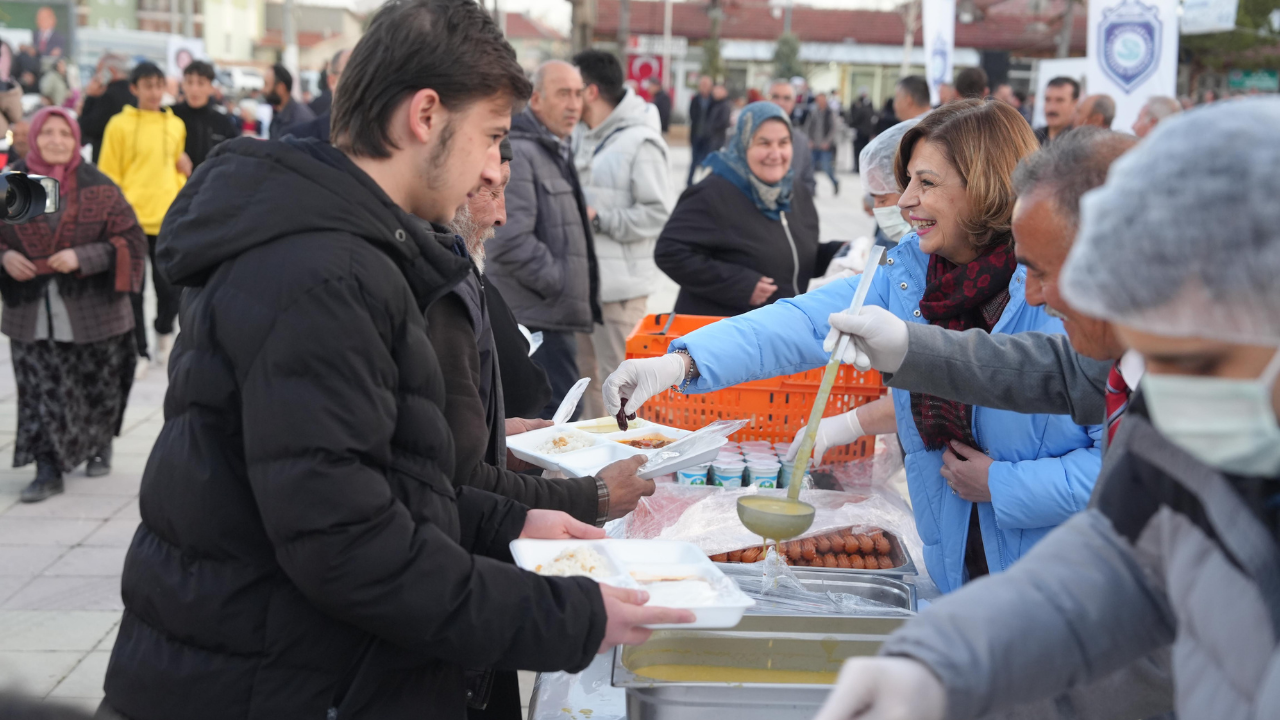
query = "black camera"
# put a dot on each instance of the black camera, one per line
(28, 196)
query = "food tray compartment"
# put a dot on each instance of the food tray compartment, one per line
(526, 446)
(590, 461)
(649, 429)
(651, 558)
(607, 425)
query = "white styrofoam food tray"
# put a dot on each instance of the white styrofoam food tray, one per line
(602, 450)
(653, 558)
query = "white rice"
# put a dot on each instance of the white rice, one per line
(578, 561)
(566, 442)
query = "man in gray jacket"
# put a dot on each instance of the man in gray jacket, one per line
(623, 165)
(543, 260)
(822, 126)
(1181, 544)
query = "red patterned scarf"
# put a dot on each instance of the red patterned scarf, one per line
(960, 297)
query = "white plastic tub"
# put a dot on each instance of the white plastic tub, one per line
(636, 560)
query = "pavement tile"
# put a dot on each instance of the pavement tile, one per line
(48, 630)
(129, 512)
(85, 681)
(109, 640)
(98, 507)
(89, 561)
(45, 531)
(11, 584)
(36, 672)
(117, 532)
(67, 593)
(117, 483)
(28, 560)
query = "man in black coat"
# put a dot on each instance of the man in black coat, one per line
(699, 130)
(662, 101)
(104, 100)
(318, 127)
(304, 551)
(206, 125)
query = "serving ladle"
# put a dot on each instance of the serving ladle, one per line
(781, 519)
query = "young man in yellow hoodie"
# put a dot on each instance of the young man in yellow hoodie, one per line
(142, 151)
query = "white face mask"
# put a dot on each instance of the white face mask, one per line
(1228, 424)
(891, 222)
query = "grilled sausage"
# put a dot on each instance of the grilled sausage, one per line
(751, 555)
(855, 562)
(735, 556)
(882, 544)
(866, 544)
(808, 549)
(722, 557)
(823, 544)
(794, 550)
(843, 562)
(829, 560)
(886, 563)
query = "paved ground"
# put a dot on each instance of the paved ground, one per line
(60, 560)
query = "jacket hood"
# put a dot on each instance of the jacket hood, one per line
(631, 111)
(252, 192)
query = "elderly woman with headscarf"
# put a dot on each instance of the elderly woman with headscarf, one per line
(746, 235)
(66, 282)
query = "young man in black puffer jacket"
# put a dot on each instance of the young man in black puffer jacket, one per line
(304, 551)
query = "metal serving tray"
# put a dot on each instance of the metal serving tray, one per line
(792, 642)
(906, 566)
(887, 591)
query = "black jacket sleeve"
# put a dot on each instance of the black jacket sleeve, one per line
(450, 330)
(317, 401)
(525, 388)
(684, 254)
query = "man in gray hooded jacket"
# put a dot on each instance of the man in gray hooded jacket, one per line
(623, 166)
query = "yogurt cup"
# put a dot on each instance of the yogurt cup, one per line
(764, 474)
(696, 475)
(761, 457)
(756, 445)
(727, 473)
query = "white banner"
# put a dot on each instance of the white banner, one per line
(1208, 16)
(181, 51)
(1133, 53)
(939, 43)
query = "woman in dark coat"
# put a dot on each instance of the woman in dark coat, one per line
(66, 284)
(745, 235)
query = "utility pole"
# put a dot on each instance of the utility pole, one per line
(667, 74)
(1064, 35)
(910, 12)
(786, 19)
(624, 29)
(584, 24)
(290, 56)
(188, 18)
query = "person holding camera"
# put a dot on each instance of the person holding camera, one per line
(66, 282)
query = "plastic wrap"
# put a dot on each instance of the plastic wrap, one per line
(774, 587)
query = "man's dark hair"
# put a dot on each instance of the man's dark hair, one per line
(1106, 107)
(282, 75)
(144, 70)
(201, 68)
(917, 88)
(1063, 80)
(450, 46)
(971, 82)
(1073, 164)
(603, 70)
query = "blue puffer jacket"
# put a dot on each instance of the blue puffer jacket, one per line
(1045, 465)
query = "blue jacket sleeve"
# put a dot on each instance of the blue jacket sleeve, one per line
(779, 339)
(1045, 492)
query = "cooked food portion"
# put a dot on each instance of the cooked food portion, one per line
(561, 443)
(581, 561)
(600, 426)
(648, 442)
(842, 549)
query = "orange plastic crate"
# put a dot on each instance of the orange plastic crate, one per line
(776, 407)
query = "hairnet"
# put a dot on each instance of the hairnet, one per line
(875, 163)
(1183, 239)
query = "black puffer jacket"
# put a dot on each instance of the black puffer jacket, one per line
(303, 552)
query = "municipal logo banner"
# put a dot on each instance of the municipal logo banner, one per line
(1133, 53)
(939, 43)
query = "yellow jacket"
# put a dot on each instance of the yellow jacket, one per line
(140, 151)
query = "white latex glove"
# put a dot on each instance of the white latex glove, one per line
(832, 432)
(885, 688)
(879, 338)
(639, 380)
